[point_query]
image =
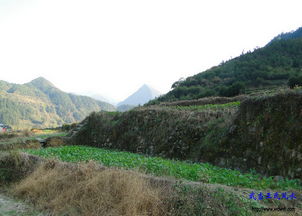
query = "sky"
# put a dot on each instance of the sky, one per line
(113, 47)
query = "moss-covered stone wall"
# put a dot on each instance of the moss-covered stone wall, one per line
(267, 135)
(163, 132)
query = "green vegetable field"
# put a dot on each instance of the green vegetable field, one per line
(162, 167)
(208, 106)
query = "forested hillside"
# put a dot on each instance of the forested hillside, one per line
(40, 104)
(267, 67)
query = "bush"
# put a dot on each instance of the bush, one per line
(233, 90)
(294, 81)
(68, 127)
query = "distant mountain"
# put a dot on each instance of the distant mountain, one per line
(268, 67)
(141, 96)
(100, 97)
(124, 107)
(40, 104)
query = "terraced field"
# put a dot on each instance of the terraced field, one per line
(202, 172)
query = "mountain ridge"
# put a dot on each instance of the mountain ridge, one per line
(98, 97)
(39, 103)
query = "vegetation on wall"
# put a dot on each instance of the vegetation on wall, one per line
(168, 132)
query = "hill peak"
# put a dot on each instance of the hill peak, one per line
(149, 88)
(145, 86)
(141, 96)
(41, 82)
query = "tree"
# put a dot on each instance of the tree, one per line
(177, 83)
(233, 90)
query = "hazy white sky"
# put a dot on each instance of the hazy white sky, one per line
(112, 47)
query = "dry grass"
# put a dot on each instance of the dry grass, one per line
(13, 134)
(87, 190)
(55, 142)
(26, 133)
(18, 143)
(15, 166)
(7, 135)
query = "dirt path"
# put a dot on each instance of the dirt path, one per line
(11, 207)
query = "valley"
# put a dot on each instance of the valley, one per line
(222, 142)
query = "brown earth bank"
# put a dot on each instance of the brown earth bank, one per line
(263, 134)
(91, 189)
